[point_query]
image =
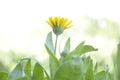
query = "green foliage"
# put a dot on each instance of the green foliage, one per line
(23, 78)
(16, 73)
(102, 75)
(27, 68)
(38, 73)
(24, 71)
(69, 70)
(89, 72)
(79, 50)
(53, 61)
(117, 63)
(3, 75)
(66, 48)
(72, 65)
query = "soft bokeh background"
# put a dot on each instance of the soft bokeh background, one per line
(23, 27)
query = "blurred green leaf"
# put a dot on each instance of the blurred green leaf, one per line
(53, 61)
(38, 73)
(16, 73)
(49, 46)
(66, 48)
(52, 55)
(75, 51)
(3, 76)
(96, 68)
(46, 78)
(23, 78)
(49, 42)
(87, 48)
(65, 52)
(69, 70)
(82, 78)
(102, 76)
(27, 69)
(53, 67)
(80, 49)
(117, 63)
(86, 64)
(89, 72)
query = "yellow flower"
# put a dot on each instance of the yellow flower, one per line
(59, 24)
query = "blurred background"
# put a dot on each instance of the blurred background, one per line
(23, 28)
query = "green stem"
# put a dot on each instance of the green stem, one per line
(56, 44)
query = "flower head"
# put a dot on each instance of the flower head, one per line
(58, 24)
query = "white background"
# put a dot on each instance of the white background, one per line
(23, 22)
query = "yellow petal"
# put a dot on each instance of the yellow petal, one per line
(51, 20)
(60, 22)
(50, 23)
(68, 23)
(68, 27)
(65, 21)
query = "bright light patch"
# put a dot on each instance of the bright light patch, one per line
(19, 18)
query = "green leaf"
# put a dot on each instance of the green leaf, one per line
(3, 76)
(66, 48)
(16, 73)
(46, 78)
(53, 61)
(49, 42)
(49, 46)
(89, 72)
(81, 49)
(86, 64)
(69, 70)
(52, 55)
(75, 51)
(27, 69)
(82, 78)
(53, 67)
(117, 63)
(87, 48)
(78, 49)
(96, 68)
(102, 76)
(23, 78)
(38, 73)
(33, 68)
